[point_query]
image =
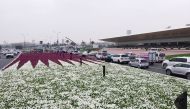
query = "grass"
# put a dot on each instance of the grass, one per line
(178, 55)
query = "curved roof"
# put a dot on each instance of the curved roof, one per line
(168, 34)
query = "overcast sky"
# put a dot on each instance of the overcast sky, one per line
(87, 19)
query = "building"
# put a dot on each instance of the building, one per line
(168, 38)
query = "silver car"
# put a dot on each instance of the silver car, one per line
(180, 68)
(174, 61)
(139, 62)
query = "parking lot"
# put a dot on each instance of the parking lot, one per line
(156, 67)
(4, 61)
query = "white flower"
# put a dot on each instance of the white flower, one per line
(79, 87)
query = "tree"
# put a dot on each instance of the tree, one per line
(83, 43)
(67, 41)
(92, 42)
(73, 44)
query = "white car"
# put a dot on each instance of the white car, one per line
(9, 55)
(120, 58)
(180, 69)
(139, 62)
(101, 55)
(174, 61)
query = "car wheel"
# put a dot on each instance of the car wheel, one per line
(147, 67)
(164, 66)
(168, 72)
(188, 76)
(118, 61)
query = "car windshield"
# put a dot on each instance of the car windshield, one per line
(162, 55)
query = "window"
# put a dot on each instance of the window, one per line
(132, 57)
(144, 61)
(181, 59)
(115, 55)
(162, 55)
(124, 56)
(177, 65)
(136, 60)
(185, 65)
(173, 59)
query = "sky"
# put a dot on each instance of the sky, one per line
(47, 20)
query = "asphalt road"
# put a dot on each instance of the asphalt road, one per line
(157, 67)
(4, 61)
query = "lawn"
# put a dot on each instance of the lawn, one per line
(83, 87)
(178, 55)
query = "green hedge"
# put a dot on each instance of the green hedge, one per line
(178, 55)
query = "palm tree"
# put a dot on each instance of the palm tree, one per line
(67, 41)
(73, 44)
(92, 42)
(83, 43)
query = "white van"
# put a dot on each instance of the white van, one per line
(159, 56)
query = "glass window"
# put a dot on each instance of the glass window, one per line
(185, 65)
(177, 65)
(162, 55)
(173, 59)
(143, 61)
(181, 60)
(132, 57)
(124, 56)
(136, 60)
(116, 56)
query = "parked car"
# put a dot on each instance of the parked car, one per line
(102, 55)
(76, 52)
(85, 53)
(108, 58)
(180, 69)
(130, 54)
(139, 62)
(9, 55)
(120, 58)
(174, 61)
(93, 53)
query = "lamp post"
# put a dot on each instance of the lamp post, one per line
(58, 37)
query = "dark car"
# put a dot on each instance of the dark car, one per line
(108, 58)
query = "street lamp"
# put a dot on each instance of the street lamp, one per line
(58, 37)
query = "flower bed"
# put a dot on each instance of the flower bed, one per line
(83, 87)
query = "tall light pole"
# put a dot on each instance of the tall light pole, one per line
(58, 37)
(24, 40)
